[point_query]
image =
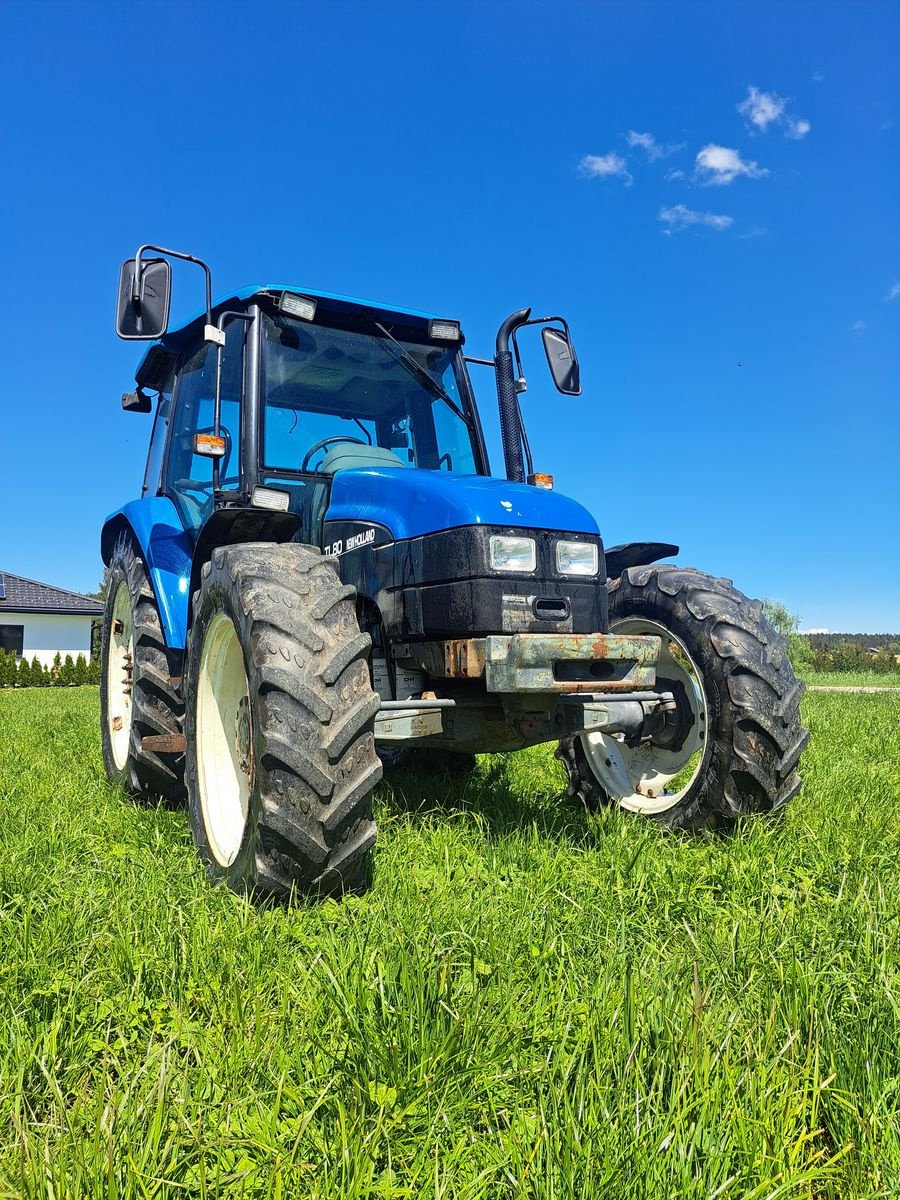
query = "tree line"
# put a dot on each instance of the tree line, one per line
(841, 652)
(890, 642)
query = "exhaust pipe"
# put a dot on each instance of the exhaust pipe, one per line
(508, 397)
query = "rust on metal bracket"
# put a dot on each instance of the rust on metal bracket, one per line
(561, 663)
(570, 663)
(164, 743)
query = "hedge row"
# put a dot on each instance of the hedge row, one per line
(63, 673)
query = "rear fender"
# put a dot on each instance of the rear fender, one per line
(156, 528)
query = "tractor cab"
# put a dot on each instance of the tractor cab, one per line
(298, 387)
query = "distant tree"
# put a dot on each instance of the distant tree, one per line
(100, 593)
(96, 640)
(37, 672)
(56, 669)
(787, 623)
(781, 617)
(67, 672)
(97, 626)
(94, 671)
(24, 672)
(7, 669)
(80, 675)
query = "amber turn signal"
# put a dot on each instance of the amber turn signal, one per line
(539, 479)
(209, 445)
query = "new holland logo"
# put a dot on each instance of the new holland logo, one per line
(339, 546)
(361, 539)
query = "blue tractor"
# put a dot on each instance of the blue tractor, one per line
(322, 576)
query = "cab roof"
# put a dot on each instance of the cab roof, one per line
(175, 340)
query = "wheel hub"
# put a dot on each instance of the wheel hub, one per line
(120, 675)
(648, 775)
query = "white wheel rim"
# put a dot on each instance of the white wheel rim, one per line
(119, 676)
(223, 740)
(637, 777)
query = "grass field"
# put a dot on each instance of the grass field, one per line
(851, 679)
(528, 1003)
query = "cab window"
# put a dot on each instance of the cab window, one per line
(189, 475)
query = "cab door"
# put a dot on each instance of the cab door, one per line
(189, 476)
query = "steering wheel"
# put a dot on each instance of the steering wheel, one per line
(327, 441)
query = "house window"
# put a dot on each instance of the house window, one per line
(12, 637)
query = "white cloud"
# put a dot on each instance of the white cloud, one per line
(680, 217)
(720, 165)
(858, 326)
(817, 77)
(797, 128)
(604, 166)
(813, 631)
(653, 148)
(893, 292)
(762, 108)
(754, 231)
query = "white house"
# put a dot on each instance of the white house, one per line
(38, 620)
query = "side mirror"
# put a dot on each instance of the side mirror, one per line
(142, 313)
(562, 361)
(137, 401)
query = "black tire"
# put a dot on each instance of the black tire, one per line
(754, 736)
(156, 704)
(312, 764)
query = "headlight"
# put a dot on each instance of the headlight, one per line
(576, 558)
(513, 553)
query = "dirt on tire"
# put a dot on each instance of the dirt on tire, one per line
(309, 827)
(755, 734)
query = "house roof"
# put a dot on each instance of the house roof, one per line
(18, 594)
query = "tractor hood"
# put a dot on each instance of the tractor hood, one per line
(412, 502)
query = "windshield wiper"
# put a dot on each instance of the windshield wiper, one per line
(428, 382)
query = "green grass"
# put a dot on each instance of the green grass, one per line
(851, 678)
(528, 1003)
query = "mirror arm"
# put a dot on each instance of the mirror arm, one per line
(136, 285)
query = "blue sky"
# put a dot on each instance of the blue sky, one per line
(708, 192)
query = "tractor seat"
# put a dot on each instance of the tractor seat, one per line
(346, 456)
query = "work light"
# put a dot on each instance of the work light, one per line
(297, 306)
(273, 498)
(513, 553)
(576, 558)
(444, 331)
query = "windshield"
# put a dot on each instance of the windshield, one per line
(338, 398)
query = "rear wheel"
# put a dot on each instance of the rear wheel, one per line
(138, 684)
(279, 724)
(733, 745)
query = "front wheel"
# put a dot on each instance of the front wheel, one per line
(733, 745)
(279, 716)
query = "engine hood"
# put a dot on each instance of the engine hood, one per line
(412, 502)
